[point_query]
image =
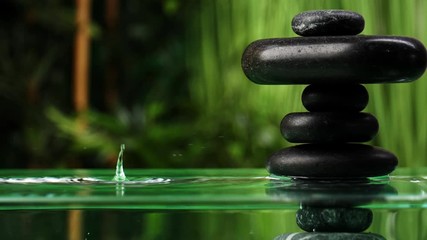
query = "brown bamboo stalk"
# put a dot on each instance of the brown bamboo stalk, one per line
(80, 90)
(111, 17)
(81, 57)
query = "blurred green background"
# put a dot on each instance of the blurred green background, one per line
(164, 78)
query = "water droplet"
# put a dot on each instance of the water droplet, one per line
(120, 173)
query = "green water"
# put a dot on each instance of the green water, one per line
(405, 224)
(195, 204)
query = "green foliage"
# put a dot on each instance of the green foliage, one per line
(166, 80)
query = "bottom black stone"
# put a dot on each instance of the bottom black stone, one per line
(313, 219)
(329, 236)
(341, 161)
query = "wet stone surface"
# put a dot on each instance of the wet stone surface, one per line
(329, 236)
(335, 98)
(334, 60)
(329, 127)
(334, 219)
(328, 23)
(337, 161)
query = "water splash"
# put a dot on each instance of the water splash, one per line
(120, 173)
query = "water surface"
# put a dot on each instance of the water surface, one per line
(196, 204)
(197, 189)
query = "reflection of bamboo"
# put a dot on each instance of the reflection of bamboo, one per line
(81, 58)
(74, 225)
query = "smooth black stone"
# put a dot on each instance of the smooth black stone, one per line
(332, 60)
(329, 127)
(328, 23)
(329, 236)
(334, 219)
(335, 98)
(340, 161)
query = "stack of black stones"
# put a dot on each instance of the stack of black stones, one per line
(334, 60)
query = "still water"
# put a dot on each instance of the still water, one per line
(198, 204)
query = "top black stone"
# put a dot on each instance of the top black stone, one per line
(328, 23)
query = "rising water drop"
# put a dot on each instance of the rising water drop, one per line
(120, 173)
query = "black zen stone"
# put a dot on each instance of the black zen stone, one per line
(334, 60)
(329, 127)
(340, 161)
(329, 236)
(328, 23)
(335, 98)
(312, 219)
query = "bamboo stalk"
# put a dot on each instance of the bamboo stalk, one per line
(111, 18)
(81, 57)
(80, 90)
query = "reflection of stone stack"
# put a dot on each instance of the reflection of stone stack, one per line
(335, 61)
(330, 209)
